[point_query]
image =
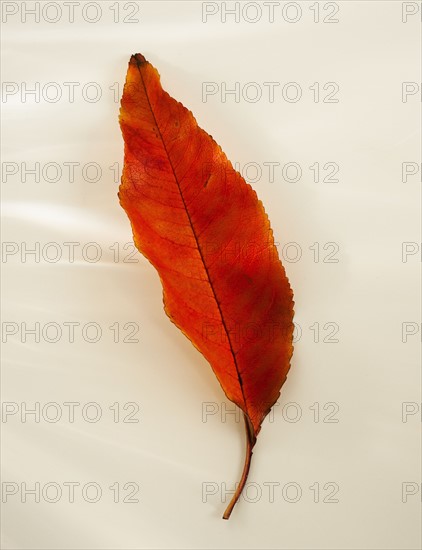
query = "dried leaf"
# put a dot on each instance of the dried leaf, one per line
(205, 231)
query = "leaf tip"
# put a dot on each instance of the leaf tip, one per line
(138, 59)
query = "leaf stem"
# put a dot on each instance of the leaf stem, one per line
(250, 442)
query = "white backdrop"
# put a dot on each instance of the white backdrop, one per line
(131, 444)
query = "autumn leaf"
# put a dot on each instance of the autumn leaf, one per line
(205, 231)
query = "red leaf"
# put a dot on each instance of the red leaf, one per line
(205, 231)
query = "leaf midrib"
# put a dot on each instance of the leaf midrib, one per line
(196, 239)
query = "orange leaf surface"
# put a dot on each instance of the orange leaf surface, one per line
(205, 231)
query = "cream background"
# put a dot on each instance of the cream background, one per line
(369, 293)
